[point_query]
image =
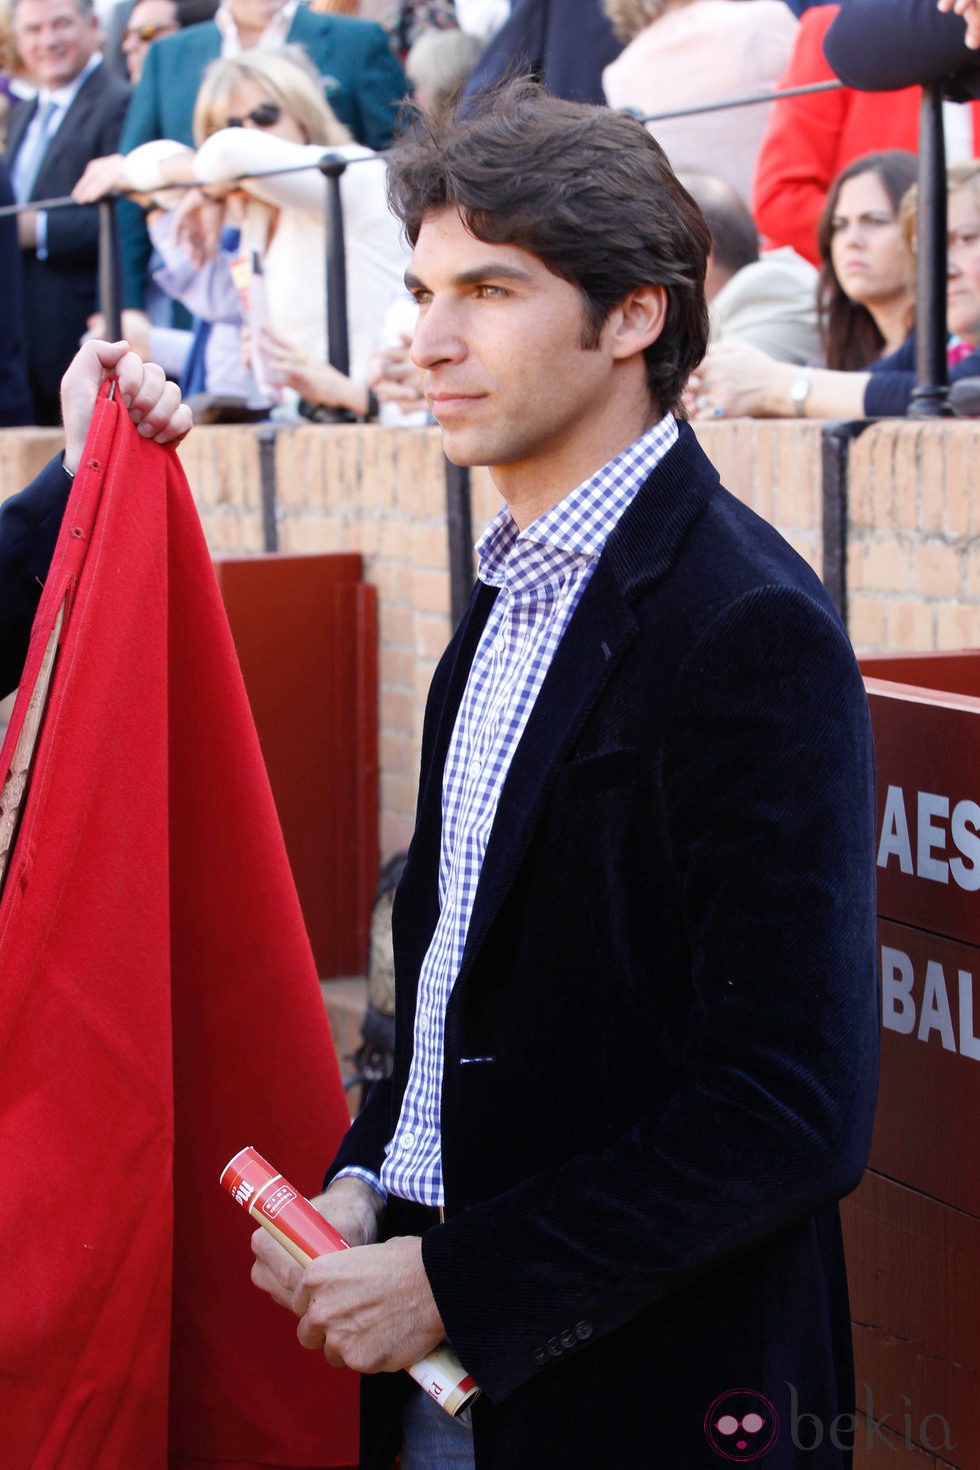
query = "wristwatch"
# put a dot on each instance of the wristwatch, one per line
(799, 392)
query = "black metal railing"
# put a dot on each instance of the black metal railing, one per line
(931, 394)
(332, 165)
(930, 397)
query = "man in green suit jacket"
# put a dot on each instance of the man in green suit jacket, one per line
(362, 80)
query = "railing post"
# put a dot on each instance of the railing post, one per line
(929, 398)
(836, 439)
(459, 528)
(110, 277)
(338, 349)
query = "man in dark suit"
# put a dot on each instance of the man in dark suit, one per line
(76, 116)
(634, 943)
(31, 520)
(565, 44)
(362, 80)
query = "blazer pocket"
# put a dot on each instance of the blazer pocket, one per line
(606, 770)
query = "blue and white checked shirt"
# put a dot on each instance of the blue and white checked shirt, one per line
(542, 572)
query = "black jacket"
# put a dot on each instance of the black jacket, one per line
(669, 988)
(29, 526)
(881, 45)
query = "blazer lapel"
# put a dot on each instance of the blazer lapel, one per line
(64, 142)
(640, 553)
(16, 128)
(601, 630)
(302, 30)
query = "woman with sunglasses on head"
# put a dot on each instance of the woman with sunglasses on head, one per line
(263, 126)
(743, 382)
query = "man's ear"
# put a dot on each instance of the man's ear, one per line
(638, 320)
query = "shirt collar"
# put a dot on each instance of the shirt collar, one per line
(581, 523)
(274, 34)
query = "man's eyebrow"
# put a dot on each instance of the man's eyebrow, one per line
(476, 275)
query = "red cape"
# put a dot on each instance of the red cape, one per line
(159, 1009)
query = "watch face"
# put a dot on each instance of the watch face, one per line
(799, 390)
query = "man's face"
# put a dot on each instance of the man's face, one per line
(499, 340)
(54, 40)
(149, 21)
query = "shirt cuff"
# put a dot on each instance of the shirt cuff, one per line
(353, 1171)
(41, 235)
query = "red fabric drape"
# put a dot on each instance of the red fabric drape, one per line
(159, 1009)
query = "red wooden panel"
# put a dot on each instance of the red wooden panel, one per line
(927, 745)
(912, 1230)
(950, 673)
(914, 1273)
(929, 1095)
(305, 629)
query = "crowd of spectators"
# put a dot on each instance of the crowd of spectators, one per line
(211, 117)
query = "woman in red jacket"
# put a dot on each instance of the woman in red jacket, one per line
(809, 139)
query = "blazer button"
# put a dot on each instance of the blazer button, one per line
(583, 1331)
(539, 1356)
(568, 1338)
(554, 1347)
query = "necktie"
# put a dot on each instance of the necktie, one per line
(30, 156)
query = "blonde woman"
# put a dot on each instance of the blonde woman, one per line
(262, 127)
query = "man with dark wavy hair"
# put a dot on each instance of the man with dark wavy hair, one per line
(635, 938)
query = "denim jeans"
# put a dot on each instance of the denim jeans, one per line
(431, 1440)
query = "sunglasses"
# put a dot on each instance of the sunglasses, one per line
(146, 33)
(263, 115)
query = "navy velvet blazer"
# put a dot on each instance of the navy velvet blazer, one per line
(564, 43)
(29, 526)
(661, 1050)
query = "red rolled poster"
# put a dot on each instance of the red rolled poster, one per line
(301, 1230)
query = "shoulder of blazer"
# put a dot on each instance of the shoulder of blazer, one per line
(346, 32)
(103, 87)
(193, 46)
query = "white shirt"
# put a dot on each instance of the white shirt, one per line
(273, 36)
(542, 573)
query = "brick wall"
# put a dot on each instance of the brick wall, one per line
(774, 465)
(383, 493)
(914, 515)
(913, 561)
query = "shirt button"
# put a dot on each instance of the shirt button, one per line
(476, 766)
(408, 1140)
